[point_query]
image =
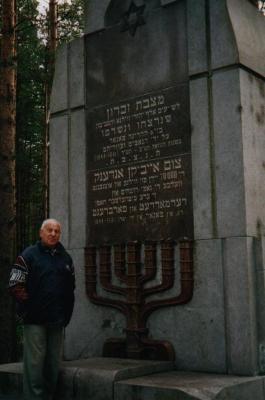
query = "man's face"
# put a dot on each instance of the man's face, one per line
(50, 234)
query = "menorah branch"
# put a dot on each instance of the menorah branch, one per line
(105, 271)
(167, 261)
(91, 283)
(149, 262)
(120, 263)
(186, 280)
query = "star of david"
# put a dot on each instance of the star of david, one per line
(133, 18)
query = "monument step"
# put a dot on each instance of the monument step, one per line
(10, 380)
(121, 379)
(88, 379)
(179, 385)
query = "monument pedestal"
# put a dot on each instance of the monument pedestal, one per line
(180, 385)
(123, 379)
(91, 378)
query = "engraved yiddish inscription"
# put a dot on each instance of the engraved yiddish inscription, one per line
(139, 167)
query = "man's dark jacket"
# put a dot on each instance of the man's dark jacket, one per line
(42, 281)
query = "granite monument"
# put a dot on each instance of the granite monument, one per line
(157, 131)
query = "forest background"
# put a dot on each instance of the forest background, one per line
(28, 40)
(24, 115)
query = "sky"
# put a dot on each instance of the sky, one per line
(43, 4)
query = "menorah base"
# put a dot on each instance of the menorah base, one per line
(147, 349)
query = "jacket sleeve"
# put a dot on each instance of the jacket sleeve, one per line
(18, 280)
(73, 273)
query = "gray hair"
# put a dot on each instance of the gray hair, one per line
(48, 221)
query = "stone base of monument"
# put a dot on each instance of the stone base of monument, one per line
(180, 385)
(122, 379)
(94, 378)
(91, 378)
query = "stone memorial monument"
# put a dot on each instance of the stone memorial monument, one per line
(157, 141)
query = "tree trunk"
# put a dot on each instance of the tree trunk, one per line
(52, 44)
(53, 30)
(7, 176)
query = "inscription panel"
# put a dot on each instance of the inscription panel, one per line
(139, 168)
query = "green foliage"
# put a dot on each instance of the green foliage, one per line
(70, 23)
(70, 20)
(30, 123)
(32, 77)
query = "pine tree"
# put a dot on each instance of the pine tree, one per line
(7, 168)
(32, 56)
(30, 124)
(33, 79)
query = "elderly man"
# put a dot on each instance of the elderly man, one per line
(42, 282)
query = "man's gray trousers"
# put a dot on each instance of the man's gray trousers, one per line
(42, 356)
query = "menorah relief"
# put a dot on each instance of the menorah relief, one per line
(133, 274)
